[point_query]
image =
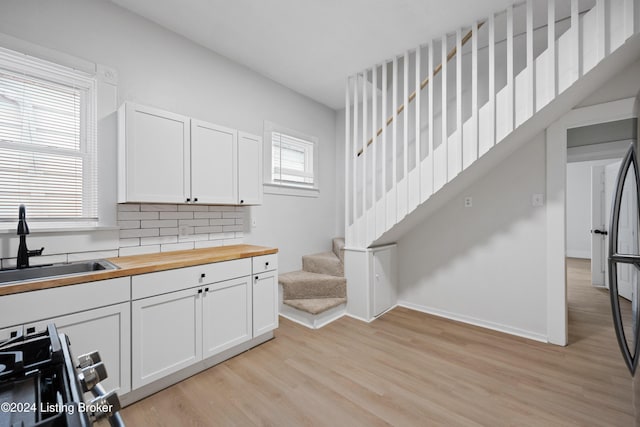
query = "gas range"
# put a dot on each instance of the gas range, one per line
(40, 385)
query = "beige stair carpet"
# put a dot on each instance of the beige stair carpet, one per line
(320, 285)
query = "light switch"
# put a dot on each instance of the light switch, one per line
(468, 202)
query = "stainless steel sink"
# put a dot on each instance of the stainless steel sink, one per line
(55, 270)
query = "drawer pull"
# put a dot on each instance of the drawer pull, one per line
(31, 330)
(199, 291)
(203, 275)
(256, 277)
(206, 289)
(195, 199)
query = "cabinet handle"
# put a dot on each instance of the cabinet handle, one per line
(199, 291)
(195, 200)
(14, 334)
(31, 330)
(266, 264)
(188, 199)
(206, 289)
(241, 201)
(256, 277)
(203, 275)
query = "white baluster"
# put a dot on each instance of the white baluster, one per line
(445, 144)
(393, 206)
(414, 186)
(383, 217)
(376, 143)
(511, 105)
(364, 159)
(531, 89)
(474, 96)
(354, 160)
(459, 162)
(347, 158)
(551, 46)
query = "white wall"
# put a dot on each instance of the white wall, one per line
(159, 68)
(485, 264)
(579, 209)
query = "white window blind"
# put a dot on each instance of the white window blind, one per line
(292, 160)
(47, 140)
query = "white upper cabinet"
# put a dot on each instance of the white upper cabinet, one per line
(168, 158)
(153, 155)
(214, 164)
(249, 169)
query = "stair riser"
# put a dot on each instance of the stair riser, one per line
(332, 267)
(313, 289)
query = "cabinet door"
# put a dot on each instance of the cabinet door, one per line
(106, 330)
(265, 302)
(249, 169)
(226, 315)
(156, 156)
(214, 155)
(383, 280)
(166, 335)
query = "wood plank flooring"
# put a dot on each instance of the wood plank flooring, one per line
(412, 369)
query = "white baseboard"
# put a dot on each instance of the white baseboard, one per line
(312, 321)
(476, 322)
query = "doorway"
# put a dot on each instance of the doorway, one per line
(578, 125)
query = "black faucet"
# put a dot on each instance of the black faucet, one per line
(23, 230)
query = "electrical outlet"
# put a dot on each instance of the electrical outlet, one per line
(468, 202)
(537, 200)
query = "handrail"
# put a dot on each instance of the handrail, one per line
(423, 84)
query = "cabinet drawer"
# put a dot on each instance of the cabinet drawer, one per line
(265, 263)
(162, 282)
(43, 304)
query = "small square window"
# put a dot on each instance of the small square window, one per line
(291, 160)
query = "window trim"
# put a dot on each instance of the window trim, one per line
(272, 187)
(48, 69)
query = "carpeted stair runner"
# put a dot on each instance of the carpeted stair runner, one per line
(320, 285)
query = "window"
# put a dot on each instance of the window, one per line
(292, 160)
(47, 140)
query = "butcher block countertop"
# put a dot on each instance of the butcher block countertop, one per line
(140, 264)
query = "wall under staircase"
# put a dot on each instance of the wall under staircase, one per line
(484, 265)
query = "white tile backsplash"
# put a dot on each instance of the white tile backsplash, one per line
(148, 228)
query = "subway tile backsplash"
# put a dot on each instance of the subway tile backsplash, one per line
(149, 228)
(145, 228)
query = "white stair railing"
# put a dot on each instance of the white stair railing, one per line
(444, 117)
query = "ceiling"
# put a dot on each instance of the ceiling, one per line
(311, 46)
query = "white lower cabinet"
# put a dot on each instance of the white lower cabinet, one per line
(166, 335)
(105, 329)
(265, 302)
(226, 315)
(94, 315)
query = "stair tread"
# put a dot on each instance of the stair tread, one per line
(305, 285)
(302, 275)
(315, 305)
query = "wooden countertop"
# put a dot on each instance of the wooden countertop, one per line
(140, 264)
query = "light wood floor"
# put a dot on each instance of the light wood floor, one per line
(412, 369)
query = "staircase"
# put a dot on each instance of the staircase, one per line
(317, 294)
(421, 126)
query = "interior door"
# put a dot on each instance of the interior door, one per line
(598, 238)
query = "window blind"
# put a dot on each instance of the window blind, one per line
(292, 159)
(47, 140)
